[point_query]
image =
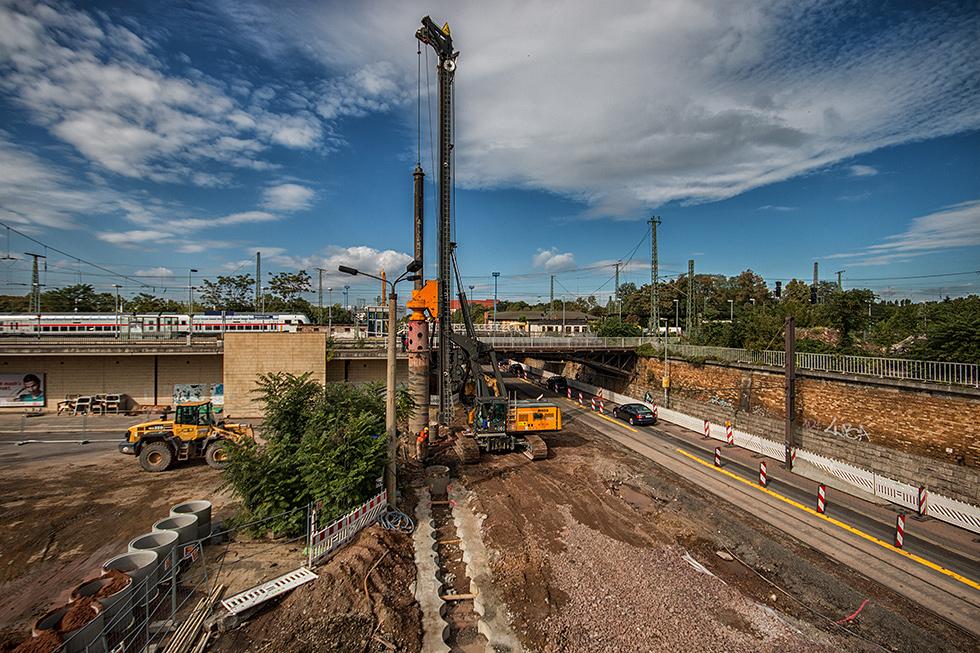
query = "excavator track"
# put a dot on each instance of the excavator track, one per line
(467, 449)
(535, 449)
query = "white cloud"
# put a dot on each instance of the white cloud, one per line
(552, 261)
(863, 171)
(100, 89)
(951, 227)
(288, 197)
(652, 102)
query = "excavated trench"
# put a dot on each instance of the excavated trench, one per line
(452, 564)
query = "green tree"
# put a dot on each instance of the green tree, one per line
(146, 303)
(288, 287)
(321, 443)
(613, 327)
(80, 297)
(848, 313)
(228, 293)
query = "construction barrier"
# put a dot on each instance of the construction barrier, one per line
(326, 540)
(728, 434)
(707, 430)
(900, 531)
(602, 406)
(569, 394)
(580, 399)
(923, 493)
(593, 403)
(762, 474)
(821, 499)
(717, 456)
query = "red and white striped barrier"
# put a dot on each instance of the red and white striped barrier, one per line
(580, 399)
(593, 403)
(717, 456)
(900, 531)
(728, 433)
(602, 406)
(821, 499)
(707, 430)
(569, 394)
(923, 496)
(762, 474)
(655, 410)
(599, 393)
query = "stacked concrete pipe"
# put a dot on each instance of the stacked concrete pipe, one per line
(140, 566)
(87, 638)
(163, 543)
(184, 525)
(200, 509)
(117, 608)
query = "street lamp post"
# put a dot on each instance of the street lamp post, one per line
(563, 315)
(495, 275)
(677, 319)
(116, 286)
(391, 427)
(731, 310)
(330, 312)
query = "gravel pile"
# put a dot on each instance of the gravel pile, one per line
(624, 598)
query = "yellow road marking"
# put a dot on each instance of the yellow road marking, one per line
(602, 415)
(870, 538)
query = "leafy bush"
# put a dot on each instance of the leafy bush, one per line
(321, 443)
(648, 350)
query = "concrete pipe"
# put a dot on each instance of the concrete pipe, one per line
(141, 566)
(163, 543)
(184, 525)
(79, 634)
(437, 476)
(116, 598)
(202, 509)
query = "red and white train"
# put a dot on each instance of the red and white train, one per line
(145, 325)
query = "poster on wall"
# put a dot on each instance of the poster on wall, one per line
(22, 389)
(190, 392)
(218, 394)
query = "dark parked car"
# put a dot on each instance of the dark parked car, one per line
(635, 414)
(558, 384)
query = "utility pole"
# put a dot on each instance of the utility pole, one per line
(816, 288)
(551, 304)
(840, 288)
(654, 277)
(35, 304)
(320, 272)
(790, 389)
(619, 311)
(690, 295)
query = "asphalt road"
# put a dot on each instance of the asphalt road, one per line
(48, 438)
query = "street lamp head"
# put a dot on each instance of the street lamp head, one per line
(192, 270)
(347, 270)
(414, 266)
(414, 277)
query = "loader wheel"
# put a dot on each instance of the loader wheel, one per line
(217, 455)
(156, 457)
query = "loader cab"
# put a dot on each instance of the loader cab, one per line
(193, 419)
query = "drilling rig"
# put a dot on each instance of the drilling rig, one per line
(497, 422)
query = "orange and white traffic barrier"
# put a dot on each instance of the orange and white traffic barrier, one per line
(821, 499)
(728, 433)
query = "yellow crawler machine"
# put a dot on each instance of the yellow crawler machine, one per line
(194, 432)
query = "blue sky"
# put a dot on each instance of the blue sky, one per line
(140, 140)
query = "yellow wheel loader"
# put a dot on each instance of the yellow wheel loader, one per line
(194, 432)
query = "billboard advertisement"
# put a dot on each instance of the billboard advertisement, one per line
(21, 389)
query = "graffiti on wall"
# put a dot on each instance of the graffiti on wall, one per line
(847, 431)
